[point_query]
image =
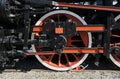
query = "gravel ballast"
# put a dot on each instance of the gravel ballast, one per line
(86, 74)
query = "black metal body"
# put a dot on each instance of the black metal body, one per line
(16, 17)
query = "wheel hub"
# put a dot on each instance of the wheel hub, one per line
(54, 35)
(59, 42)
(115, 50)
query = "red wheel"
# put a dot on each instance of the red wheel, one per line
(115, 41)
(63, 62)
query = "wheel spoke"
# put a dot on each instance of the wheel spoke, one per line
(116, 58)
(67, 59)
(58, 17)
(50, 58)
(115, 44)
(75, 57)
(76, 40)
(84, 35)
(59, 61)
(43, 57)
(73, 19)
(72, 41)
(117, 36)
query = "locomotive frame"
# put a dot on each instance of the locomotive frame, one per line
(55, 35)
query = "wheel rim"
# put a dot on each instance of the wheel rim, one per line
(115, 37)
(65, 61)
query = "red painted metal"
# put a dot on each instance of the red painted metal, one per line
(90, 7)
(90, 28)
(78, 28)
(59, 30)
(69, 50)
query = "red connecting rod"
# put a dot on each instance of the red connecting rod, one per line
(90, 7)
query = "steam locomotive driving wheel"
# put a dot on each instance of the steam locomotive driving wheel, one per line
(115, 43)
(56, 33)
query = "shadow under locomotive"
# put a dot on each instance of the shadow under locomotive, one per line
(31, 63)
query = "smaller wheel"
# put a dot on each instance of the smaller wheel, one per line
(115, 39)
